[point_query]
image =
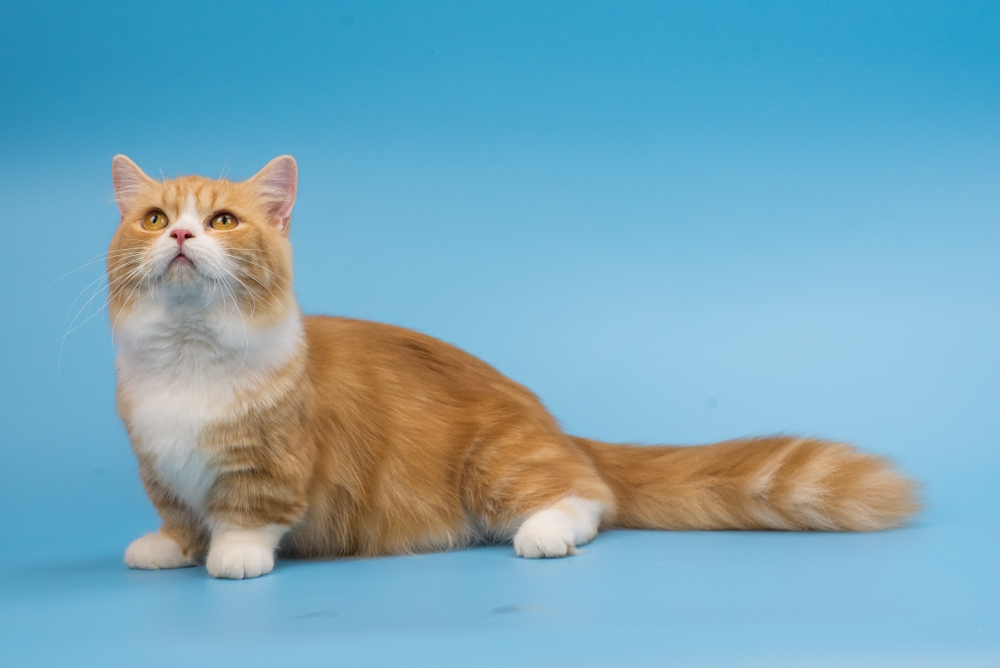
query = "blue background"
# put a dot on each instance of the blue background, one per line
(676, 222)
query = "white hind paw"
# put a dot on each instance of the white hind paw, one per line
(544, 534)
(557, 530)
(155, 551)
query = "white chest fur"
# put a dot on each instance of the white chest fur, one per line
(168, 418)
(176, 385)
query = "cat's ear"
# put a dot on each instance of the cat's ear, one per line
(276, 184)
(129, 181)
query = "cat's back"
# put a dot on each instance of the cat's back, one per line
(348, 351)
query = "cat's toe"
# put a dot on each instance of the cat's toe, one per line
(239, 561)
(155, 551)
(544, 536)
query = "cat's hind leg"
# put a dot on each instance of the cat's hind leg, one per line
(525, 479)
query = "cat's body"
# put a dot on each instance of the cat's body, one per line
(255, 426)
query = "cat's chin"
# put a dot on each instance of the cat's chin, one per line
(182, 261)
(182, 270)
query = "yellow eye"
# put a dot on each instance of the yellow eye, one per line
(224, 221)
(154, 220)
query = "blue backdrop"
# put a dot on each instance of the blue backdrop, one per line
(676, 222)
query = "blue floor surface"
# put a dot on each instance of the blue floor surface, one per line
(922, 596)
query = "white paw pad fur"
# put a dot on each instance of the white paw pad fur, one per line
(238, 554)
(557, 530)
(155, 551)
(237, 561)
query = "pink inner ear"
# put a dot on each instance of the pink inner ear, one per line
(128, 180)
(277, 184)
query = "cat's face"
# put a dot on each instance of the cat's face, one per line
(194, 245)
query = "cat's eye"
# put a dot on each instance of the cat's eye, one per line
(224, 221)
(154, 220)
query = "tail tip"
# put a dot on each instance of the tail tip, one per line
(877, 496)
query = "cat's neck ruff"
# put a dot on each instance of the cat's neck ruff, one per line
(165, 340)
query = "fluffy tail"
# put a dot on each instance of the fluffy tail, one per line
(757, 483)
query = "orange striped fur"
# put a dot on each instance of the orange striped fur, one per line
(259, 430)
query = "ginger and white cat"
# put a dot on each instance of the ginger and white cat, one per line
(259, 430)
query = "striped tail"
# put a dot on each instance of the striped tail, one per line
(777, 482)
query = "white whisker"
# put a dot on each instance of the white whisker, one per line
(93, 260)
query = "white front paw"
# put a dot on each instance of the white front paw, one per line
(155, 551)
(243, 553)
(239, 560)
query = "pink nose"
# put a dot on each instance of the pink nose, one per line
(181, 235)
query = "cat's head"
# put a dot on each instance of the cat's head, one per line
(197, 245)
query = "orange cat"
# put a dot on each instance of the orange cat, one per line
(259, 430)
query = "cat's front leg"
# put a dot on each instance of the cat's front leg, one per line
(159, 550)
(251, 505)
(237, 553)
(260, 492)
(179, 543)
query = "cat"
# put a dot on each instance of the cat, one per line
(260, 431)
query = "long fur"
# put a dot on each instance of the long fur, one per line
(343, 437)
